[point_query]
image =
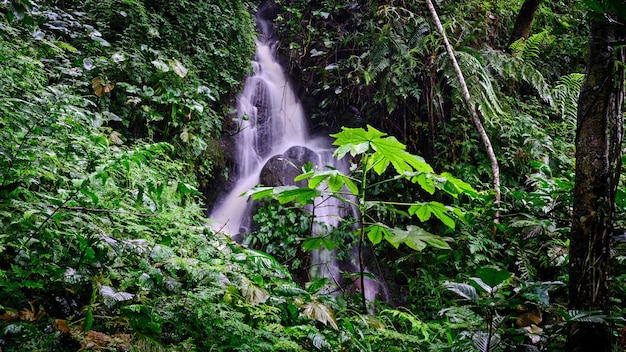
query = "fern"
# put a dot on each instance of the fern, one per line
(485, 342)
(565, 95)
(525, 264)
(531, 48)
(111, 296)
(584, 316)
(517, 69)
(479, 82)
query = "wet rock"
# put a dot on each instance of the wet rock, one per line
(281, 169)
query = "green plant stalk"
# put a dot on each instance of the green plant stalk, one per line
(362, 230)
(89, 314)
(49, 217)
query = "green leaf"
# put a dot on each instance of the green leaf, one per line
(386, 150)
(425, 182)
(315, 243)
(300, 195)
(425, 210)
(461, 186)
(377, 232)
(355, 140)
(316, 284)
(490, 278)
(90, 194)
(438, 242)
(464, 290)
(259, 193)
(335, 183)
(264, 261)
(416, 238)
(305, 175)
(29, 213)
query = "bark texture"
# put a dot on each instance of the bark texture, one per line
(598, 155)
(524, 20)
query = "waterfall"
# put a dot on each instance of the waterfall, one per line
(271, 121)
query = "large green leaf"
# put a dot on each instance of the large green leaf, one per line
(464, 290)
(284, 194)
(416, 238)
(426, 182)
(354, 140)
(489, 279)
(333, 177)
(386, 150)
(377, 232)
(425, 210)
(314, 243)
(455, 186)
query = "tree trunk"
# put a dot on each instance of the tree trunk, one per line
(524, 20)
(598, 155)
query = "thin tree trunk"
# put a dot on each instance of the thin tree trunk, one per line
(495, 168)
(524, 20)
(598, 156)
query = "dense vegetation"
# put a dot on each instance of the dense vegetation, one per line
(111, 114)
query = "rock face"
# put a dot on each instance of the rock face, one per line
(281, 169)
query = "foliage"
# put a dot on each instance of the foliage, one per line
(109, 116)
(504, 311)
(102, 243)
(374, 152)
(280, 231)
(154, 69)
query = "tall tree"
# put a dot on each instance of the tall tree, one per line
(524, 20)
(598, 162)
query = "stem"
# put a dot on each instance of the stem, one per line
(362, 232)
(489, 330)
(48, 218)
(495, 169)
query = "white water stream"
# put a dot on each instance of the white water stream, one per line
(271, 120)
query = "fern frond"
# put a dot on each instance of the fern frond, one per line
(479, 83)
(536, 80)
(485, 342)
(518, 46)
(584, 316)
(525, 264)
(518, 69)
(565, 94)
(422, 30)
(531, 47)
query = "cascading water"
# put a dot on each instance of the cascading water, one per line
(272, 122)
(270, 119)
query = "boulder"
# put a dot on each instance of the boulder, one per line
(281, 169)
